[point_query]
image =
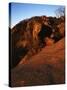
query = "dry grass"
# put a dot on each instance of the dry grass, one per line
(45, 68)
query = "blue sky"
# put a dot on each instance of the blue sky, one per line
(20, 11)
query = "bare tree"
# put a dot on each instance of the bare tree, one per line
(60, 12)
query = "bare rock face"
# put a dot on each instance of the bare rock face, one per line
(61, 28)
(29, 36)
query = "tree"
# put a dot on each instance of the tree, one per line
(60, 12)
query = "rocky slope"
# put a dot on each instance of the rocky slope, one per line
(31, 35)
(45, 68)
(37, 52)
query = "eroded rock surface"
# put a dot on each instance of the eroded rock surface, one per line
(31, 35)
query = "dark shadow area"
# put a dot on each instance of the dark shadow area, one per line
(17, 55)
(46, 31)
(57, 35)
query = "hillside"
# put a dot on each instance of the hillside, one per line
(47, 67)
(31, 35)
(38, 51)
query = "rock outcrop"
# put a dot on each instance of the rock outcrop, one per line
(31, 35)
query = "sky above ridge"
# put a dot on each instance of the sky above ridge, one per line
(21, 11)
